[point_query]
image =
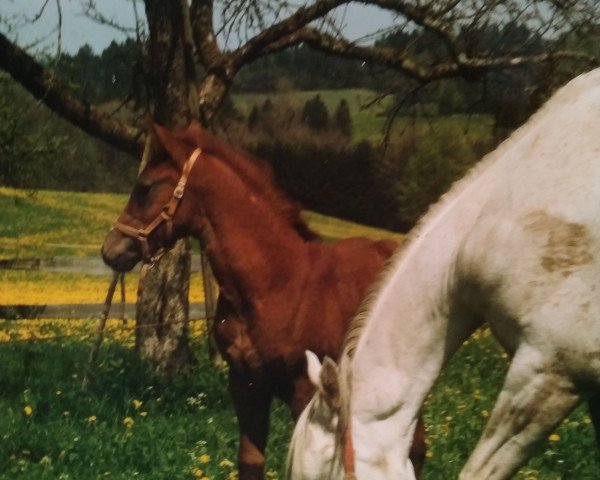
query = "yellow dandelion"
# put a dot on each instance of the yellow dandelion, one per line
(92, 419)
(226, 463)
(128, 422)
(204, 458)
(429, 454)
(485, 413)
(233, 476)
(555, 437)
(136, 404)
(197, 472)
(271, 474)
(143, 414)
(27, 410)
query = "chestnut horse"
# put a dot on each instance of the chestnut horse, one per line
(282, 290)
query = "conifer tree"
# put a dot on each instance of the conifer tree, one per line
(342, 121)
(315, 114)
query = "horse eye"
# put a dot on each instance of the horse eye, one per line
(143, 189)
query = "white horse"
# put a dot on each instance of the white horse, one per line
(515, 244)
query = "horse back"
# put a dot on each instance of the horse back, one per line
(342, 275)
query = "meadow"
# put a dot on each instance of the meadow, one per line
(128, 423)
(369, 111)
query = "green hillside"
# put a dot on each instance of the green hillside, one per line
(50, 223)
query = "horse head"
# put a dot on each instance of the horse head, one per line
(316, 450)
(159, 208)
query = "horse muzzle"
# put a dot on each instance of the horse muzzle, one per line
(120, 252)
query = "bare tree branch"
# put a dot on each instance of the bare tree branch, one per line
(201, 13)
(299, 19)
(403, 62)
(43, 85)
(92, 12)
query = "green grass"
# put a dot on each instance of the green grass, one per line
(80, 434)
(193, 416)
(49, 223)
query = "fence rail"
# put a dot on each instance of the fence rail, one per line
(78, 311)
(83, 265)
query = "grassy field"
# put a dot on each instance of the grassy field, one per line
(51, 224)
(130, 424)
(47, 224)
(368, 114)
(367, 110)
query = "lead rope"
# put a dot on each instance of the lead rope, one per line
(111, 290)
(100, 330)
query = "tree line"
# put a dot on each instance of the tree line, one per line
(117, 73)
(323, 167)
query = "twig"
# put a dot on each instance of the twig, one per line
(100, 329)
(122, 277)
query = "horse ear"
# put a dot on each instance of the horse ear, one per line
(177, 149)
(313, 368)
(330, 384)
(325, 377)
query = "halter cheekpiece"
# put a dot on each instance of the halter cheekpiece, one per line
(166, 215)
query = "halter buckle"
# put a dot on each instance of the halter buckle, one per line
(179, 189)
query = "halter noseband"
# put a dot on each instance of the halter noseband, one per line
(166, 215)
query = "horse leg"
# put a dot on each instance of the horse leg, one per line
(252, 402)
(594, 407)
(534, 400)
(418, 448)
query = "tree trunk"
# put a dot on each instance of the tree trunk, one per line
(163, 312)
(163, 307)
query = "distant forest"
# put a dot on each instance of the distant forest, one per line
(118, 73)
(313, 151)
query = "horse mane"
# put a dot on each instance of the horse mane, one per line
(258, 175)
(361, 318)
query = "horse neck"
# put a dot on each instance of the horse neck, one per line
(252, 246)
(405, 337)
(420, 280)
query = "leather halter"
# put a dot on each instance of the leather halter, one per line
(166, 215)
(348, 455)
